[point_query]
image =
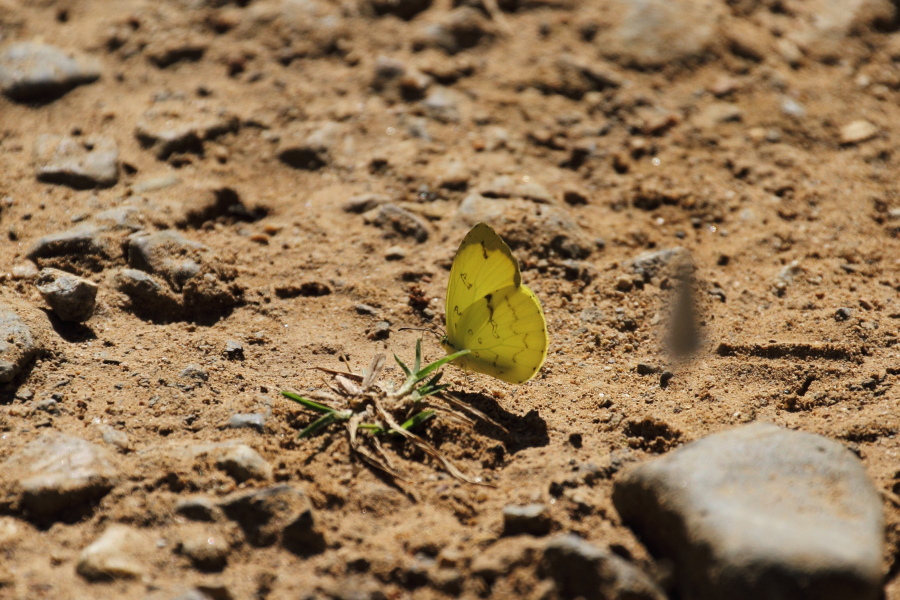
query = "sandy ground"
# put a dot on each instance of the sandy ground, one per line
(736, 138)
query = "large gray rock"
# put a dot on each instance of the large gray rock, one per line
(759, 512)
(55, 473)
(18, 345)
(72, 298)
(31, 71)
(76, 162)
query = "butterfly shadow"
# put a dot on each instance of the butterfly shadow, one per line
(522, 431)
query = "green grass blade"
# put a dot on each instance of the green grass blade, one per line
(411, 422)
(307, 402)
(417, 419)
(320, 423)
(426, 391)
(406, 370)
(429, 369)
(418, 362)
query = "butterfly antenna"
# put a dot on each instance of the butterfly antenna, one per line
(436, 334)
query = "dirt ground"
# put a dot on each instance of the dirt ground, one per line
(760, 136)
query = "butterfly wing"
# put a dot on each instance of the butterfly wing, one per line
(483, 264)
(506, 333)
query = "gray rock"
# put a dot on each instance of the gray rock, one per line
(395, 253)
(396, 220)
(760, 512)
(31, 71)
(476, 208)
(505, 186)
(195, 372)
(85, 243)
(116, 438)
(167, 254)
(121, 552)
(714, 114)
(277, 513)
(573, 76)
(653, 264)
(47, 405)
(243, 463)
(580, 569)
(792, 108)
(858, 131)
(18, 346)
(76, 162)
(255, 421)
(207, 550)
(72, 298)
(165, 51)
(397, 82)
(365, 203)
(149, 297)
(531, 519)
(57, 472)
(120, 217)
(234, 350)
(828, 34)
(309, 149)
(443, 104)
(454, 31)
(198, 508)
(178, 129)
(654, 33)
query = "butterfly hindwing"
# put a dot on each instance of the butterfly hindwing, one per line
(506, 334)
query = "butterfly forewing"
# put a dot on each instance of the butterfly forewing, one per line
(482, 265)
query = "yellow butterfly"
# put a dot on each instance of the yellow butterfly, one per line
(491, 313)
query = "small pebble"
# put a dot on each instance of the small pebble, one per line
(31, 71)
(242, 463)
(234, 350)
(646, 369)
(531, 519)
(194, 372)
(121, 552)
(117, 438)
(255, 421)
(206, 550)
(858, 131)
(197, 508)
(395, 253)
(72, 298)
(365, 309)
(843, 313)
(382, 331)
(624, 284)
